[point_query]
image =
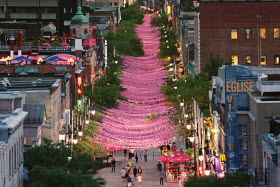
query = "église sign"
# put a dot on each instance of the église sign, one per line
(238, 82)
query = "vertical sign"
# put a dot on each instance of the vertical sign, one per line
(105, 51)
(79, 84)
(238, 82)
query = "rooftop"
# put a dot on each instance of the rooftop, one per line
(36, 113)
(79, 18)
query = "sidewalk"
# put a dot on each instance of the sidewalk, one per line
(150, 175)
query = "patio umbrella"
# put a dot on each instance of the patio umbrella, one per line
(164, 158)
(71, 33)
(64, 38)
(46, 44)
(112, 148)
(64, 44)
(92, 40)
(87, 42)
(54, 59)
(22, 58)
(176, 153)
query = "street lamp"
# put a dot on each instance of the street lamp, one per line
(171, 69)
(200, 157)
(80, 133)
(93, 112)
(75, 141)
(175, 87)
(207, 172)
(189, 126)
(69, 158)
(87, 122)
(181, 104)
(186, 115)
(191, 138)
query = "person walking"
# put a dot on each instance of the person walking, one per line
(123, 172)
(113, 163)
(129, 155)
(129, 181)
(161, 176)
(124, 154)
(136, 156)
(140, 170)
(140, 152)
(140, 180)
(146, 155)
(134, 171)
(159, 167)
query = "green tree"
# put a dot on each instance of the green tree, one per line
(132, 13)
(211, 68)
(55, 43)
(36, 43)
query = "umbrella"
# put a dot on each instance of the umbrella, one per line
(46, 44)
(92, 40)
(54, 59)
(164, 158)
(87, 42)
(71, 33)
(22, 58)
(176, 153)
(112, 148)
(64, 44)
(64, 38)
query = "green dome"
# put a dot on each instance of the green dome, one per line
(79, 18)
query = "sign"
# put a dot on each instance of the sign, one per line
(79, 105)
(238, 82)
(168, 10)
(105, 52)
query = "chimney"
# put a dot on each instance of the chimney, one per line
(12, 42)
(78, 47)
(19, 43)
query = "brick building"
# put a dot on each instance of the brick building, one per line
(230, 29)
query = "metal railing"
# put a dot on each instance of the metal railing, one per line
(40, 48)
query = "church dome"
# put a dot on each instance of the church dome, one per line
(79, 18)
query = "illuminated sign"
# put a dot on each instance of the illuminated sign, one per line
(238, 82)
(79, 104)
(79, 87)
(105, 52)
(168, 10)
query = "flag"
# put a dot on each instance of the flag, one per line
(52, 28)
(101, 73)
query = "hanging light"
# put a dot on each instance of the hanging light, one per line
(181, 104)
(171, 69)
(166, 41)
(93, 112)
(200, 157)
(69, 158)
(189, 126)
(207, 172)
(191, 139)
(116, 62)
(80, 133)
(175, 87)
(186, 115)
(167, 46)
(170, 64)
(87, 122)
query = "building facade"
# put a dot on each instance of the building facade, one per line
(231, 30)
(11, 148)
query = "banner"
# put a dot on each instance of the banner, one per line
(90, 32)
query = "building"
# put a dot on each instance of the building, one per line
(33, 124)
(40, 92)
(271, 160)
(242, 102)
(218, 32)
(11, 148)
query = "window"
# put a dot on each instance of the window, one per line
(24, 140)
(85, 31)
(248, 60)
(263, 60)
(234, 59)
(277, 60)
(66, 23)
(111, 4)
(234, 34)
(262, 33)
(115, 4)
(276, 33)
(74, 31)
(248, 33)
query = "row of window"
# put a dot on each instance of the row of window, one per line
(263, 60)
(248, 32)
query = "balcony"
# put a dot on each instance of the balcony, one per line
(23, 16)
(48, 15)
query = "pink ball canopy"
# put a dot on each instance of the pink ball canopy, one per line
(126, 126)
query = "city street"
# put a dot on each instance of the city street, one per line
(150, 175)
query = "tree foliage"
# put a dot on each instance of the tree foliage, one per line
(160, 20)
(211, 68)
(239, 178)
(132, 13)
(48, 165)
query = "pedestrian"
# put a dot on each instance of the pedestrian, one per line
(130, 163)
(136, 156)
(153, 155)
(132, 153)
(129, 181)
(146, 155)
(140, 180)
(182, 151)
(124, 154)
(159, 167)
(140, 170)
(134, 171)
(127, 169)
(113, 163)
(129, 155)
(161, 175)
(123, 172)
(140, 154)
